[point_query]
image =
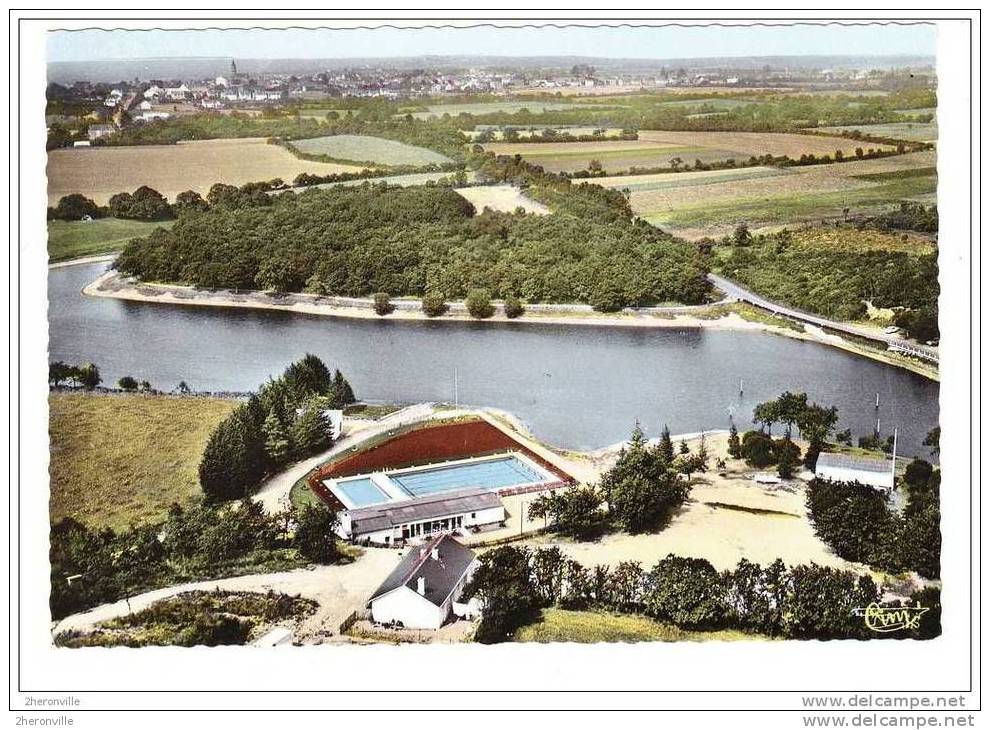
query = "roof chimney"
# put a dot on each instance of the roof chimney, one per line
(421, 586)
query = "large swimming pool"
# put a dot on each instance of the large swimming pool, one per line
(507, 471)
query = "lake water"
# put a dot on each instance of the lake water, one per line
(576, 387)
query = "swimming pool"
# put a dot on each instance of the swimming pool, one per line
(361, 491)
(506, 471)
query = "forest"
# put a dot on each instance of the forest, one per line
(356, 241)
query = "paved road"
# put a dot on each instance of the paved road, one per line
(735, 291)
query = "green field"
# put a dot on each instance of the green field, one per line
(911, 131)
(74, 239)
(782, 209)
(589, 627)
(122, 460)
(365, 150)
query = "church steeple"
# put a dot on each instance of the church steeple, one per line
(233, 67)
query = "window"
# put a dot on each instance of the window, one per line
(473, 515)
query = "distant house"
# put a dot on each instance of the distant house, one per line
(421, 591)
(98, 131)
(177, 93)
(153, 92)
(145, 105)
(877, 473)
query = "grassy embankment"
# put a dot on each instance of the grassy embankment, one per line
(75, 239)
(589, 627)
(122, 460)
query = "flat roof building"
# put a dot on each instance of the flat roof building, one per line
(423, 517)
(877, 473)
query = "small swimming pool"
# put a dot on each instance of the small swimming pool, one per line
(507, 471)
(361, 491)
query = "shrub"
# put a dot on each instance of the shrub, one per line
(757, 449)
(688, 592)
(434, 304)
(514, 307)
(75, 207)
(127, 383)
(479, 304)
(383, 305)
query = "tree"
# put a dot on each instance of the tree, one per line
(341, 391)
(575, 512)
(479, 304)
(503, 583)
(276, 440)
(383, 304)
(513, 307)
(314, 536)
(790, 407)
(756, 596)
(735, 449)
(788, 457)
(127, 383)
(933, 439)
(816, 423)
(88, 376)
(190, 201)
(666, 445)
(183, 387)
(434, 304)
(549, 566)
(276, 275)
(75, 207)
(311, 432)
(59, 372)
(918, 473)
(766, 414)
(741, 236)
(757, 449)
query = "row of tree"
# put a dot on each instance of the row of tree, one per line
(85, 376)
(284, 421)
(803, 602)
(90, 567)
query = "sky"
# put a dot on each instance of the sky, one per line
(615, 42)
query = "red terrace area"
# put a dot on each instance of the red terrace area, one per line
(443, 442)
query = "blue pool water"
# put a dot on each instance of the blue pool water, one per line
(494, 474)
(361, 492)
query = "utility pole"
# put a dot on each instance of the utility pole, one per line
(456, 402)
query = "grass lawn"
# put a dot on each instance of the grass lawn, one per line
(589, 627)
(118, 460)
(74, 239)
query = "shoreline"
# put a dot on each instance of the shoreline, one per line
(111, 285)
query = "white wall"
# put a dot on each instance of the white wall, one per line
(845, 474)
(407, 606)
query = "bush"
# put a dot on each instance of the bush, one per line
(688, 592)
(75, 207)
(434, 304)
(383, 305)
(514, 307)
(479, 304)
(127, 383)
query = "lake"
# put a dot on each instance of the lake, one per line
(579, 387)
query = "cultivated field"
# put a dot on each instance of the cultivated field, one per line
(912, 131)
(118, 460)
(99, 172)
(537, 129)
(73, 239)
(505, 198)
(364, 150)
(657, 149)
(712, 203)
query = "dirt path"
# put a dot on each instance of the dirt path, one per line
(338, 589)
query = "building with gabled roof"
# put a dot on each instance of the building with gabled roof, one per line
(420, 592)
